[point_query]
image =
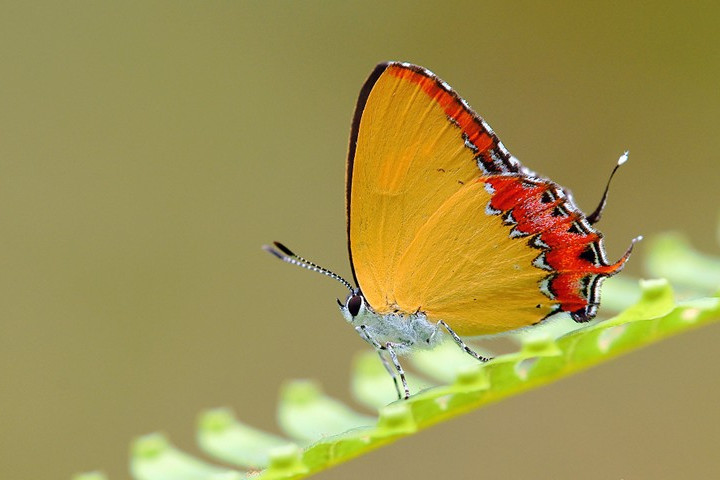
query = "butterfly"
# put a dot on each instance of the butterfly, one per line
(448, 233)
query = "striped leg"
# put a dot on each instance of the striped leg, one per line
(390, 371)
(462, 345)
(398, 367)
(362, 331)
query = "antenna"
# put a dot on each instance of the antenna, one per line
(287, 255)
(595, 216)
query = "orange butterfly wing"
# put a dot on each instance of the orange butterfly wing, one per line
(425, 179)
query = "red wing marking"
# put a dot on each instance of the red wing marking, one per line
(571, 249)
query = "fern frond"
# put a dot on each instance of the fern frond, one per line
(324, 432)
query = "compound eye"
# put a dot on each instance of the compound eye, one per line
(354, 304)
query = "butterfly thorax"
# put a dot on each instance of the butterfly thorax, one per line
(406, 331)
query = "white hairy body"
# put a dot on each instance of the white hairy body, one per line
(405, 332)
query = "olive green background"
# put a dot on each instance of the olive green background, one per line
(148, 149)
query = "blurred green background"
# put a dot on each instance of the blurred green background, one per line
(148, 149)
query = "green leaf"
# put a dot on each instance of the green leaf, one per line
(90, 476)
(340, 434)
(153, 458)
(672, 257)
(618, 293)
(307, 415)
(222, 436)
(324, 432)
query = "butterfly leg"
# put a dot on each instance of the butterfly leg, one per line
(390, 371)
(388, 347)
(398, 367)
(462, 345)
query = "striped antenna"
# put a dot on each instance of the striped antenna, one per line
(287, 255)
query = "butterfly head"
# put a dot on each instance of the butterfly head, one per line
(355, 307)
